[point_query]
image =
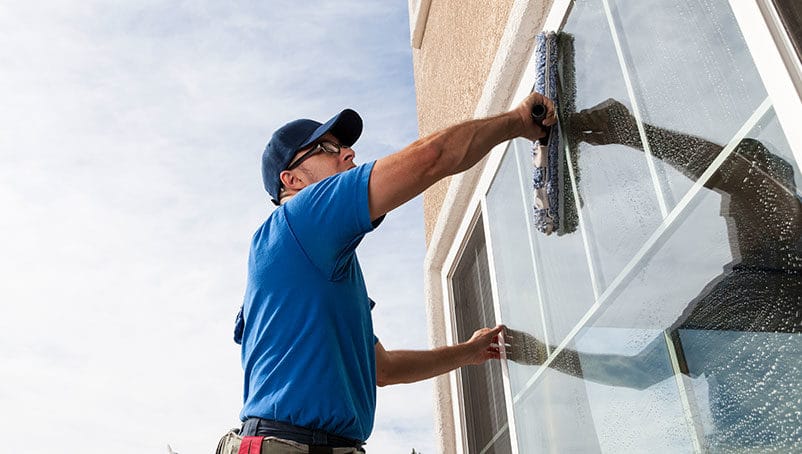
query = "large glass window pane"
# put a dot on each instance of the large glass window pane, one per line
(589, 400)
(727, 283)
(691, 71)
(692, 317)
(619, 204)
(697, 345)
(513, 255)
(482, 386)
(562, 266)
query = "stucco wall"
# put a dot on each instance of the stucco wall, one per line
(459, 44)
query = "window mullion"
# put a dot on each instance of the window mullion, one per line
(532, 252)
(636, 111)
(494, 292)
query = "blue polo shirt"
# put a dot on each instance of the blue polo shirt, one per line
(307, 340)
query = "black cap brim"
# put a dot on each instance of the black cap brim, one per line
(346, 126)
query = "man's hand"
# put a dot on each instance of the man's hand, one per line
(483, 345)
(406, 366)
(529, 128)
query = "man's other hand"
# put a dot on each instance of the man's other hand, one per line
(483, 345)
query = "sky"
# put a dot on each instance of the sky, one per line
(130, 142)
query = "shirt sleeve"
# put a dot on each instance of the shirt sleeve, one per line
(239, 326)
(330, 217)
(372, 305)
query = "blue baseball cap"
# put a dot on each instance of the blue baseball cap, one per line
(296, 135)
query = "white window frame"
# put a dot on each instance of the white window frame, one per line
(455, 378)
(777, 63)
(764, 39)
(419, 15)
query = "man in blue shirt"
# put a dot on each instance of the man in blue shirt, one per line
(310, 356)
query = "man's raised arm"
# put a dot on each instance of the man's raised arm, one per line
(401, 176)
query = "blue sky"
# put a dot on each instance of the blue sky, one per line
(130, 139)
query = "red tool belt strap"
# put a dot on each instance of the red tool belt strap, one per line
(251, 445)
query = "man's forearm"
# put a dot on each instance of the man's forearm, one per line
(400, 177)
(408, 366)
(463, 145)
(405, 366)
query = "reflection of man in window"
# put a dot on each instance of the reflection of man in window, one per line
(741, 333)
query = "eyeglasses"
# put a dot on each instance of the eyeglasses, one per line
(322, 147)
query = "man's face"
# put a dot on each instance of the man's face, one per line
(323, 163)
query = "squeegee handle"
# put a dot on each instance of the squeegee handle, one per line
(538, 115)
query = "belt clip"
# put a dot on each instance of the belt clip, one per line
(251, 445)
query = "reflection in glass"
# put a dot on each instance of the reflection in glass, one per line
(619, 204)
(562, 270)
(617, 408)
(750, 391)
(699, 346)
(691, 71)
(555, 417)
(740, 332)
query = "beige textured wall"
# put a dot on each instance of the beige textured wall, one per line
(451, 66)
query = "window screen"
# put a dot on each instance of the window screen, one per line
(482, 389)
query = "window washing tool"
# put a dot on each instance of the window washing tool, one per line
(538, 115)
(554, 205)
(546, 158)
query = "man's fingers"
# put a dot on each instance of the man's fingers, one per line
(551, 115)
(487, 335)
(536, 98)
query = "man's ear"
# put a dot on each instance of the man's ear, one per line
(291, 181)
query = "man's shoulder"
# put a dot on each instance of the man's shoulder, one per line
(338, 192)
(275, 224)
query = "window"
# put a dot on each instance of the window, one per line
(485, 415)
(671, 318)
